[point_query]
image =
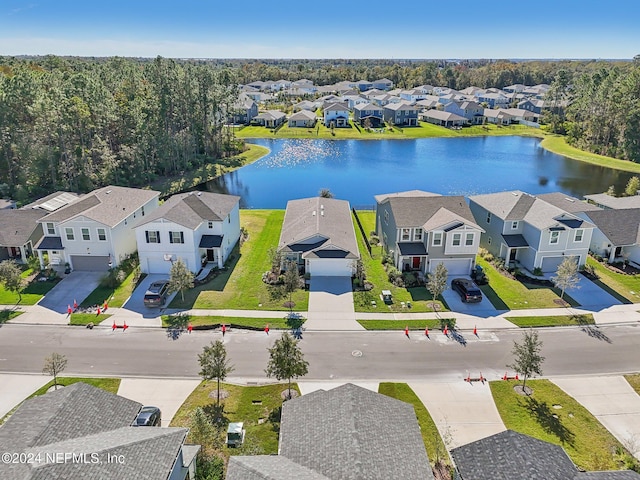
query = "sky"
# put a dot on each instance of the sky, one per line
(322, 28)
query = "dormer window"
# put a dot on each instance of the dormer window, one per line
(417, 235)
(554, 238)
(406, 234)
(51, 230)
(437, 239)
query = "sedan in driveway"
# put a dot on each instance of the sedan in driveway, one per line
(468, 291)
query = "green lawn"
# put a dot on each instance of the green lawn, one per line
(241, 286)
(585, 440)
(115, 296)
(419, 297)
(436, 448)
(86, 318)
(552, 321)
(31, 294)
(507, 294)
(250, 405)
(6, 315)
(234, 322)
(624, 287)
(400, 325)
(634, 381)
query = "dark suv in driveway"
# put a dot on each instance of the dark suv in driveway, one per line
(148, 417)
(156, 295)
(468, 291)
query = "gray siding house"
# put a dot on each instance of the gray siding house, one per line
(422, 229)
(368, 113)
(401, 114)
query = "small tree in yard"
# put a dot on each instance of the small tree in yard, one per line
(180, 277)
(275, 258)
(214, 363)
(286, 360)
(291, 280)
(54, 364)
(325, 193)
(437, 282)
(527, 359)
(633, 185)
(566, 276)
(10, 277)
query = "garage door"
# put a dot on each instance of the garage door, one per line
(551, 264)
(157, 265)
(327, 267)
(90, 263)
(455, 266)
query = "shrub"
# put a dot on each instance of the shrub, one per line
(537, 271)
(394, 274)
(374, 240)
(489, 257)
(499, 263)
(386, 258)
(410, 279)
(483, 252)
(449, 322)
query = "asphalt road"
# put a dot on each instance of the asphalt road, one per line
(332, 356)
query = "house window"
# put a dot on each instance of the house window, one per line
(554, 238)
(488, 217)
(386, 217)
(69, 232)
(229, 218)
(406, 234)
(102, 234)
(176, 237)
(50, 229)
(86, 236)
(417, 235)
(489, 241)
(579, 235)
(210, 225)
(437, 239)
(468, 240)
(152, 237)
(142, 210)
(514, 225)
(456, 239)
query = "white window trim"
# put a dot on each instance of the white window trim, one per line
(418, 235)
(456, 237)
(438, 236)
(466, 239)
(575, 236)
(402, 239)
(515, 224)
(88, 231)
(104, 230)
(554, 235)
(68, 230)
(51, 228)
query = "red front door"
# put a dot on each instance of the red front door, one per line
(416, 263)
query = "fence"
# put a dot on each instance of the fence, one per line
(364, 235)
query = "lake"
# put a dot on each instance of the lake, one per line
(356, 170)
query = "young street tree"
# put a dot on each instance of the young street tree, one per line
(214, 363)
(180, 278)
(291, 281)
(54, 364)
(10, 277)
(437, 282)
(566, 276)
(526, 356)
(286, 360)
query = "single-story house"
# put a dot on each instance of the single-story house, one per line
(617, 234)
(19, 233)
(603, 200)
(498, 117)
(318, 234)
(81, 431)
(344, 433)
(444, 119)
(197, 227)
(270, 118)
(303, 118)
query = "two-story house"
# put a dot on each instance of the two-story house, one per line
(95, 231)
(196, 227)
(383, 84)
(368, 114)
(336, 115)
(421, 230)
(401, 114)
(244, 110)
(472, 111)
(529, 232)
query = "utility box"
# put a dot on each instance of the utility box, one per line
(235, 434)
(386, 296)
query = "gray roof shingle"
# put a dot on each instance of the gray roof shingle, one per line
(16, 226)
(567, 203)
(268, 467)
(620, 226)
(614, 202)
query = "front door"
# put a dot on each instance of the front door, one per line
(416, 263)
(512, 255)
(210, 255)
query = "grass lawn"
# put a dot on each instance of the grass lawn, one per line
(215, 321)
(552, 321)
(585, 440)
(430, 436)
(31, 293)
(400, 324)
(419, 297)
(634, 381)
(507, 294)
(625, 288)
(6, 315)
(86, 318)
(250, 405)
(115, 296)
(241, 286)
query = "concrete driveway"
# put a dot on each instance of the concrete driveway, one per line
(612, 401)
(167, 395)
(134, 307)
(331, 305)
(15, 388)
(462, 412)
(74, 286)
(591, 295)
(481, 309)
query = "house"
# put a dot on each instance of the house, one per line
(494, 100)
(383, 84)
(80, 431)
(363, 85)
(603, 200)
(95, 231)
(401, 114)
(303, 118)
(517, 456)
(525, 230)
(617, 234)
(413, 95)
(244, 110)
(368, 115)
(385, 99)
(344, 433)
(532, 105)
(472, 111)
(270, 118)
(19, 233)
(420, 230)
(336, 115)
(196, 227)
(498, 116)
(318, 234)
(353, 100)
(306, 105)
(522, 116)
(444, 119)
(515, 88)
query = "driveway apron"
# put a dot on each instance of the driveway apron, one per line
(74, 286)
(590, 295)
(331, 305)
(15, 388)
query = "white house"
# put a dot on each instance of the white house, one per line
(95, 231)
(336, 114)
(197, 227)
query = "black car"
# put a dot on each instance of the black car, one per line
(148, 417)
(468, 291)
(156, 295)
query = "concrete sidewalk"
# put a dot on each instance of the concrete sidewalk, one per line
(15, 388)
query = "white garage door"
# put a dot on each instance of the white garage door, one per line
(90, 263)
(455, 266)
(330, 267)
(551, 264)
(157, 265)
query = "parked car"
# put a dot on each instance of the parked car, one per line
(148, 417)
(468, 291)
(156, 295)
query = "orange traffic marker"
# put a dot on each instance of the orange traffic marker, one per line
(114, 326)
(475, 331)
(266, 329)
(446, 330)
(426, 332)
(406, 330)
(125, 326)
(189, 328)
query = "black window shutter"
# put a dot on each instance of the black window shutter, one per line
(181, 237)
(146, 234)
(170, 237)
(158, 235)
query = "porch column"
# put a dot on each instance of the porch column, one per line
(612, 255)
(220, 264)
(23, 254)
(41, 259)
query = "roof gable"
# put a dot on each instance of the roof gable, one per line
(416, 211)
(620, 226)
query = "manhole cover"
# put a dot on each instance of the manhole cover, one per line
(356, 353)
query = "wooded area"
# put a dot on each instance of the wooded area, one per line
(79, 123)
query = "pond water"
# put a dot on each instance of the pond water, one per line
(356, 170)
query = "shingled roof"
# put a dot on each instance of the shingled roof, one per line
(620, 226)
(18, 226)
